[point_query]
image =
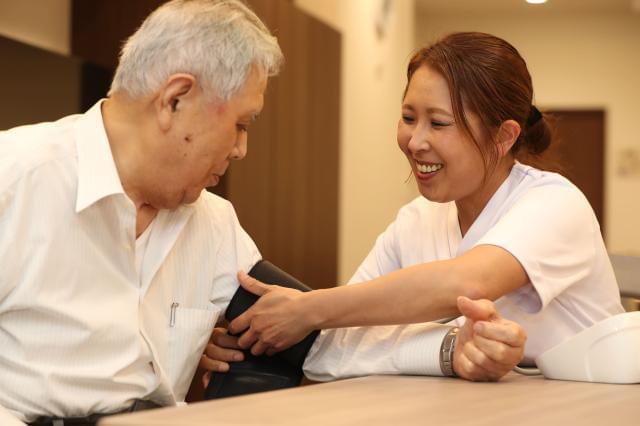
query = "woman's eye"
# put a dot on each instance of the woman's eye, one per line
(439, 124)
(408, 119)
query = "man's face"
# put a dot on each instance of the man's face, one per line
(205, 138)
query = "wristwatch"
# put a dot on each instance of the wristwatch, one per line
(446, 352)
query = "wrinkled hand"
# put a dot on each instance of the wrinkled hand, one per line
(275, 322)
(221, 349)
(488, 346)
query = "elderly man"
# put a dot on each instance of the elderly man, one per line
(116, 264)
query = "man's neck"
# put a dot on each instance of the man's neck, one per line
(125, 121)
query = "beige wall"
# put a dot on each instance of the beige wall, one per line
(579, 61)
(41, 23)
(372, 169)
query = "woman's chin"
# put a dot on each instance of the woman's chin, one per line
(433, 196)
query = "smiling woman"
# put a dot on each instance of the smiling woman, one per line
(485, 226)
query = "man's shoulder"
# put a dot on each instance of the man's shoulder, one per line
(25, 149)
(214, 208)
(209, 200)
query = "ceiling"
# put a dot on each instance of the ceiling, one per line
(520, 6)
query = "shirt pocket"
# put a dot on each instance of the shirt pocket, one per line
(188, 335)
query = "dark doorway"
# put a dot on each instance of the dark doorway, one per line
(578, 150)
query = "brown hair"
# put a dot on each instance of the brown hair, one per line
(487, 76)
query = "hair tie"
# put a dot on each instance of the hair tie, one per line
(534, 116)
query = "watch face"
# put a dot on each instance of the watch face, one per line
(446, 352)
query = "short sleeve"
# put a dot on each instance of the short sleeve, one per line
(236, 252)
(550, 231)
(396, 349)
(382, 259)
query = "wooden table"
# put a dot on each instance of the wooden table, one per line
(411, 400)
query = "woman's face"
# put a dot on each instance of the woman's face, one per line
(445, 161)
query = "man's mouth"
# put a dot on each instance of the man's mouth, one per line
(213, 180)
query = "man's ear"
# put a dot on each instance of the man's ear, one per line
(507, 135)
(175, 91)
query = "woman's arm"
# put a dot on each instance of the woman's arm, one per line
(419, 293)
(488, 346)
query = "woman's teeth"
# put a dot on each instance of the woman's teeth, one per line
(423, 168)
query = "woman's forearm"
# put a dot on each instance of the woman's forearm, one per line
(419, 293)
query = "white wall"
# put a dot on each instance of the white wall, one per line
(372, 168)
(579, 61)
(41, 23)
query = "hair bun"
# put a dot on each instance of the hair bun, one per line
(537, 134)
(534, 116)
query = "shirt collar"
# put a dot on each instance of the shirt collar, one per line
(97, 173)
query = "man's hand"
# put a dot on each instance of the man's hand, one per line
(221, 349)
(488, 346)
(275, 322)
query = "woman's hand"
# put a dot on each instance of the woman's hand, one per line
(220, 351)
(278, 320)
(488, 346)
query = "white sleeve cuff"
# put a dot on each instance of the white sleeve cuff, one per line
(419, 351)
(361, 351)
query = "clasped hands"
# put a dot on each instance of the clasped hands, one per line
(487, 348)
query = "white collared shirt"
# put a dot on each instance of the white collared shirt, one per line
(85, 328)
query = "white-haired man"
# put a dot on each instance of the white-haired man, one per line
(116, 264)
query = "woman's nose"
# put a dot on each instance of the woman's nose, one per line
(419, 141)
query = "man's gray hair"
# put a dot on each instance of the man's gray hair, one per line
(216, 41)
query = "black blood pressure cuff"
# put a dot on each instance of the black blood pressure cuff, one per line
(261, 373)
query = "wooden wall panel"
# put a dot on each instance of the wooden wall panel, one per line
(31, 95)
(99, 27)
(292, 212)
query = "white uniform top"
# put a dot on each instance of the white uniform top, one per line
(543, 220)
(90, 317)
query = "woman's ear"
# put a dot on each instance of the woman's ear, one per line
(176, 89)
(507, 135)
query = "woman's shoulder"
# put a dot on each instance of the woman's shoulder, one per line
(548, 189)
(530, 177)
(532, 182)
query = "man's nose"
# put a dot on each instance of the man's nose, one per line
(240, 149)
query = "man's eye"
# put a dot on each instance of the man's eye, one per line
(242, 127)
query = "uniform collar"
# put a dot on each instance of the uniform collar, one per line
(97, 174)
